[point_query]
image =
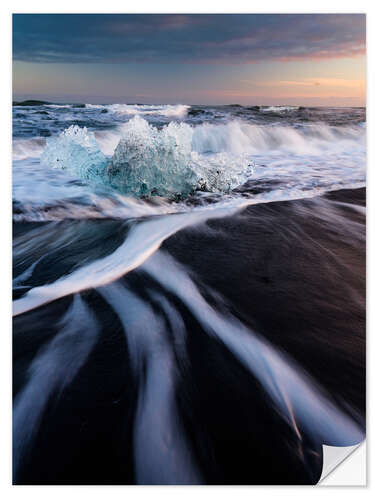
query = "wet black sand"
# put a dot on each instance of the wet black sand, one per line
(292, 271)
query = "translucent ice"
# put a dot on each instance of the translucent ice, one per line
(147, 160)
(77, 151)
(150, 161)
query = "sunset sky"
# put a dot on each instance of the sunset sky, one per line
(302, 59)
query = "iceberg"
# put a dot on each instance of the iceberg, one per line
(150, 161)
(77, 151)
(147, 161)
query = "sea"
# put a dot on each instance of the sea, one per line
(189, 292)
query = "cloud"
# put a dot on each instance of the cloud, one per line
(229, 38)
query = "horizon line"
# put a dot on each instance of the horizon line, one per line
(131, 101)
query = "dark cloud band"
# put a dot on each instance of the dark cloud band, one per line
(104, 38)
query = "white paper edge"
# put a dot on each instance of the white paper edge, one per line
(344, 466)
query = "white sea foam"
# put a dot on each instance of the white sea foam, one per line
(59, 105)
(162, 452)
(147, 160)
(108, 140)
(300, 400)
(28, 148)
(307, 157)
(142, 241)
(52, 370)
(239, 137)
(276, 109)
(168, 110)
(179, 158)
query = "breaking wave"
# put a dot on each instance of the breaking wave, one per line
(158, 340)
(28, 148)
(277, 109)
(138, 158)
(238, 137)
(147, 161)
(176, 111)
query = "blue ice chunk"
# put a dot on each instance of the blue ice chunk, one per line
(77, 151)
(151, 161)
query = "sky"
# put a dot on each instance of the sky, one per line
(255, 59)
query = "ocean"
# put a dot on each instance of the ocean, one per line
(189, 292)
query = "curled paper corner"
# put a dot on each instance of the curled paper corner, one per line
(355, 468)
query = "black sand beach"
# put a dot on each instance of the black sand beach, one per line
(293, 272)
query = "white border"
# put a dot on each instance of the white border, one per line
(199, 6)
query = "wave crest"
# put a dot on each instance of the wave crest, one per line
(168, 110)
(237, 137)
(178, 159)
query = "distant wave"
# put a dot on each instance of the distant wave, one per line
(177, 111)
(59, 105)
(277, 109)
